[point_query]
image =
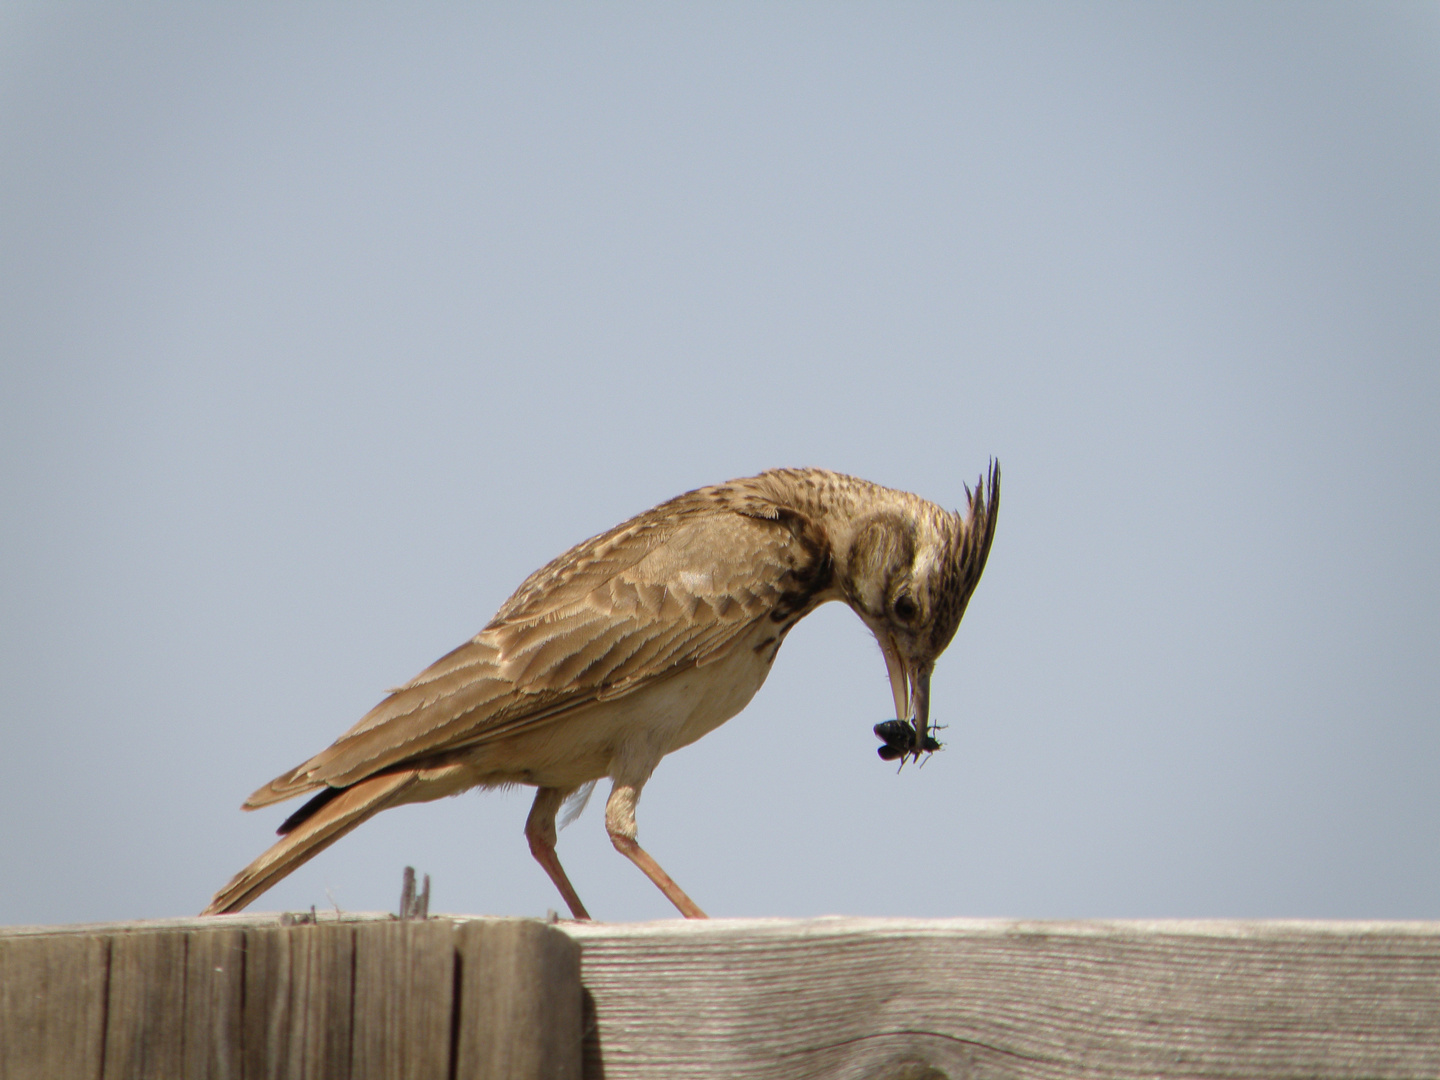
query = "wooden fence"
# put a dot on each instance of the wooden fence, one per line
(880, 999)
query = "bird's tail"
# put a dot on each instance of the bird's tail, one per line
(333, 817)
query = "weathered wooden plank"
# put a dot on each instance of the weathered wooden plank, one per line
(359, 997)
(145, 1007)
(52, 1006)
(214, 993)
(296, 1019)
(404, 1001)
(757, 999)
(520, 1002)
(968, 998)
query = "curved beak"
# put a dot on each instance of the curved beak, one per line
(920, 704)
(899, 676)
(910, 689)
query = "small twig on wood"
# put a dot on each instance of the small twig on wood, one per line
(411, 905)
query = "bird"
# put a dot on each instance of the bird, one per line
(637, 642)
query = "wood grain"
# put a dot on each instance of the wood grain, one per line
(296, 1020)
(404, 1001)
(891, 999)
(145, 1006)
(214, 996)
(522, 1000)
(52, 1006)
(748, 999)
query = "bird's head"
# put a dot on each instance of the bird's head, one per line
(908, 573)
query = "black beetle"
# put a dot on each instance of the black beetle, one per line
(901, 739)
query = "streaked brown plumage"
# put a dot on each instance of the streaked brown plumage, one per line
(636, 643)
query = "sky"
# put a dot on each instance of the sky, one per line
(322, 326)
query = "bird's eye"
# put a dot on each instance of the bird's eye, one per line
(905, 609)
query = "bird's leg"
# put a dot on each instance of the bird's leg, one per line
(620, 824)
(540, 831)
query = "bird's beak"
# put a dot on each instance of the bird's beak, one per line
(920, 703)
(910, 689)
(899, 677)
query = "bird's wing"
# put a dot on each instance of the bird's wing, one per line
(654, 596)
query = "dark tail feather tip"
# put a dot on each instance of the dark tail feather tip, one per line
(306, 812)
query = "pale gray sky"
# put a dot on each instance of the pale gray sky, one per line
(320, 329)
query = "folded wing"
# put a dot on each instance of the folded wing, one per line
(674, 588)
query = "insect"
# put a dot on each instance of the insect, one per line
(900, 740)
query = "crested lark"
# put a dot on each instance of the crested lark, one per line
(636, 643)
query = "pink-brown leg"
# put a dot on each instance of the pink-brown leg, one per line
(540, 831)
(641, 858)
(620, 824)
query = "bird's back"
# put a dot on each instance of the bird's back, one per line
(676, 588)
